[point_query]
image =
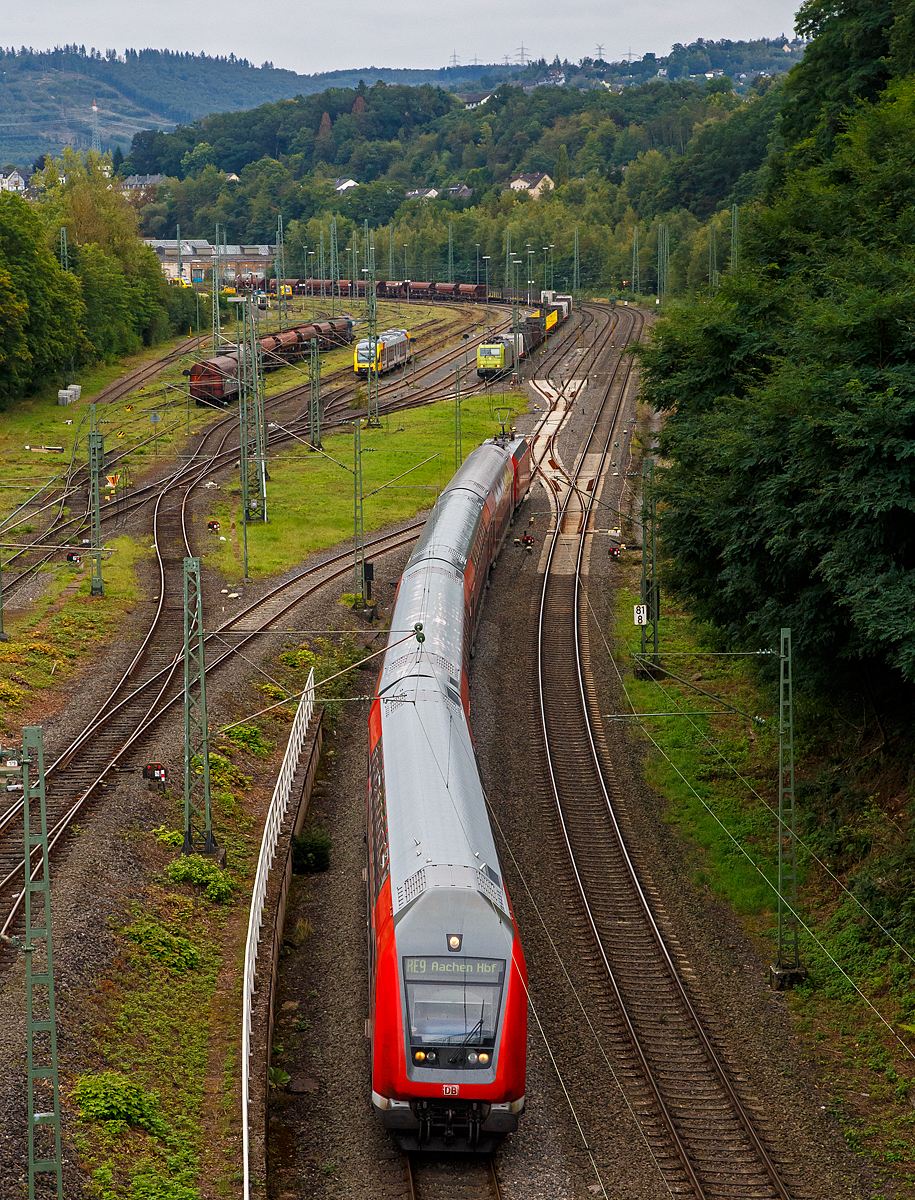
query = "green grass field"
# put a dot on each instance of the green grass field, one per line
(310, 497)
(127, 424)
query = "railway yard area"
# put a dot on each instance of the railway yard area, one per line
(660, 1061)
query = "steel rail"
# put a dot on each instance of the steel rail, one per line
(400, 539)
(148, 492)
(473, 1179)
(666, 1116)
(712, 1057)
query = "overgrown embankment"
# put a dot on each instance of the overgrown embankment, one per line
(855, 851)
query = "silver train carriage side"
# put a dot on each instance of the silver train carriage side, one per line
(448, 986)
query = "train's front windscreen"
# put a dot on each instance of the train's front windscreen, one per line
(453, 1009)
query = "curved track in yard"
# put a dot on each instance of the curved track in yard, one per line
(153, 684)
(703, 1137)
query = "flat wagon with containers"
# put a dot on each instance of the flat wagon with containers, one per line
(501, 355)
(448, 982)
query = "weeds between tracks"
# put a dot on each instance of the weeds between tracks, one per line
(153, 1071)
(53, 640)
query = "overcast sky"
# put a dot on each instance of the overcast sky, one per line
(312, 37)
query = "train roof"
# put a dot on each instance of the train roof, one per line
(438, 827)
(448, 534)
(221, 365)
(390, 337)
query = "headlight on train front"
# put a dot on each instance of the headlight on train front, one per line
(484, 1059)
(419, 1056)
(473, 1057)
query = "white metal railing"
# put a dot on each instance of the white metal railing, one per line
(275, 817)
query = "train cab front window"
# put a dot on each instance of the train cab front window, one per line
(453, 1010)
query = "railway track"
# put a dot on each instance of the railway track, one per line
(120, 388)
(336, 405)
(451, 1179)
(458, 1177)
(152, 685)
(701, 1131)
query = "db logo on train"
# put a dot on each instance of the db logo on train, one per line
(450, 1089)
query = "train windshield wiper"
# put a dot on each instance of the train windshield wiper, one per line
(475, 1032)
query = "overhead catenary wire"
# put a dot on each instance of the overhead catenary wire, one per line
(774, 812)
(759, 871)
(584, 1011)
(805, 846)
(327, 679)
(746, 854)
(444, 774)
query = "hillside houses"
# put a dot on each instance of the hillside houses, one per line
(13, 181)
(476, 100)
(139, 183)
(457, 191)
(534, 183)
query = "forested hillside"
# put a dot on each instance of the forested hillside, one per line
(46, 96)
(790, 394)
(672, 153)
(786, 485)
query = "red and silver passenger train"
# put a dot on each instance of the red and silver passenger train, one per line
(448, 982)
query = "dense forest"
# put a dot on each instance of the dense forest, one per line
(46, 96)
(787, 486)
(790, 392)
(109, 301)
(661, 153)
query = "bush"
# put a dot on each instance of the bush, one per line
(169, 837)
(328, 660)
(250, 739)
(10, 694)
(44, 648)
(311, 851)
(300, 657)
(203, 873)
(111, 1096)
(224, 774)
(150, 1186)
(168, 949)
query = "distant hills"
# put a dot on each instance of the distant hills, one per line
(46, 96)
